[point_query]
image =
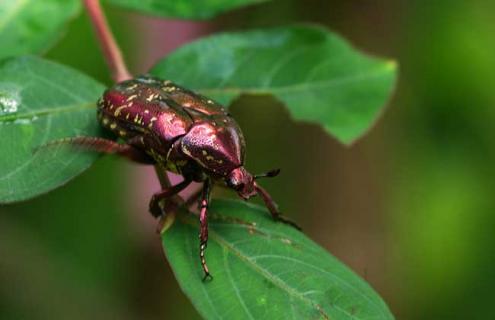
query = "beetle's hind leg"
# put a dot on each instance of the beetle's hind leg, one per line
(101, 145)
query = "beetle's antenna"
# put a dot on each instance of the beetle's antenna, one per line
(269, 174)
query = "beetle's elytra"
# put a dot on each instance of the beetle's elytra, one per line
(184, 132)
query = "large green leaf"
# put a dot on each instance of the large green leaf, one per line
(320, 77)
(41, 101)
(264, 270)
(184, 9)
(29, 26)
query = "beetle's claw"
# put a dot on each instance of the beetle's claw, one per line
(285, 220)
(207, 277)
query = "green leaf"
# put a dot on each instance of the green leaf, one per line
(184, 9)
(42, 101)
(30, 26)
(319, 77)
(264, 270)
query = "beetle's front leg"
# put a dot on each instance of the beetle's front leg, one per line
(272, 207)
(203, 233)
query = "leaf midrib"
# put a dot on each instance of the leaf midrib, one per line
(215, 235)
(279, 283)
(297, 86)
(276, 281)
(46, 112)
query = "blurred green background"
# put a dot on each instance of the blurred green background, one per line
(409, 207)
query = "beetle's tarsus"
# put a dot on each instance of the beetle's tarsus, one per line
(285, 220)
(202, 249)
(272, 207)
(207, 277)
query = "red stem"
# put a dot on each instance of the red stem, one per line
(115, 61)
(111, 50)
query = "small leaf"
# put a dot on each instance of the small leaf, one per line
(184, 9)
(30, 26)
(320, 77)
(264, 270)
(41, 101)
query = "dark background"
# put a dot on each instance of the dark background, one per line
(409, 207)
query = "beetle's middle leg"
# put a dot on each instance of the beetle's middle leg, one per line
(157, 203)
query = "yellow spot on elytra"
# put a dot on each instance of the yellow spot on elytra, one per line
(209, 158)
(127, 116)
(119, 109)
(210, 101)
(105, 121)
(134, 96)
(111, 106)
(152, 96)
(113, 126)
(204, 152)
(134, 86)
(153, 119)
(122, 132)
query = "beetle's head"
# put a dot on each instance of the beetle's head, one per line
(245, 183)
(241, 181)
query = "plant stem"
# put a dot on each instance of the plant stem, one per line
(111, 50)
(119, 70)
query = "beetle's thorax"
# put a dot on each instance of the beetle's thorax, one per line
(217, 149)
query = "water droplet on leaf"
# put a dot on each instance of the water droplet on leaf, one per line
(10, 100)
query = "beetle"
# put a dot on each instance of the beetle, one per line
(162, 123)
